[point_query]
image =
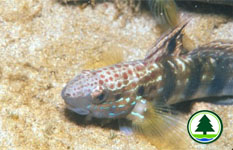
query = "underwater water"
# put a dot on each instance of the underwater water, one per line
(44, 44)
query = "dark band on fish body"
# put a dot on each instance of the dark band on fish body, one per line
(140, 91)
(118, 96)
(194, 79)
(220, 57)
(169, 81)
(152, 88)
(221, 75)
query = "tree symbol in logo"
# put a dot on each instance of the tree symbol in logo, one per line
(204, 125)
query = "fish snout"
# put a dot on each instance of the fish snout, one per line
(76, 104)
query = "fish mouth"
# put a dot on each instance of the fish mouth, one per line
(79, 111)
(76, 104)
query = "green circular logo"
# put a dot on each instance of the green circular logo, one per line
(205, 126)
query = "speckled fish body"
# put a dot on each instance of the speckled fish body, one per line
(165, 76)
(206, 72)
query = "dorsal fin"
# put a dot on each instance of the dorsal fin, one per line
(222, 45)
(168, 44)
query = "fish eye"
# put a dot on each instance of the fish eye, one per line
(100, 98)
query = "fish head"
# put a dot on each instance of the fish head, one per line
(99, 93)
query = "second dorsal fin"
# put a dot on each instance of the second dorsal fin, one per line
(219, 45)
(168, 44)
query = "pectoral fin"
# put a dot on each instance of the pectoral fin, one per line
(161, 125)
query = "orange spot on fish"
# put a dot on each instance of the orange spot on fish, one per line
(125, 76)
(118, 66)
(101, 82)
(133, 85)
(112, 86)
(102, 76)
(139, 68)
(130, 72)
(119, 84)
(116, 75)
(126, 82)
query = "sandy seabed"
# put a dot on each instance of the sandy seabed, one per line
(43, 44)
